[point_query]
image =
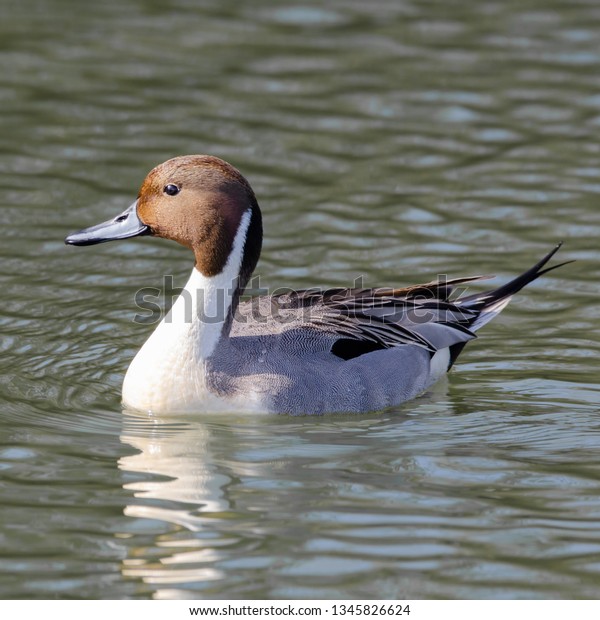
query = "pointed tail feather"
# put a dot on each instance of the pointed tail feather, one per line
(491, 303)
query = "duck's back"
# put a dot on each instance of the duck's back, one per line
(286, 362)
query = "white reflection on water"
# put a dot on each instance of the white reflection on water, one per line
(447, 496)
(180, 473)
(212, 493)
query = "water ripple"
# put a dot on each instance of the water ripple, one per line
(389, 141)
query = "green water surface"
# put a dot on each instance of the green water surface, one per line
(388, 140)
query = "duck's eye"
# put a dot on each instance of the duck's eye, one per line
(171, 189)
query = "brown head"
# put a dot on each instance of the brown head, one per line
(196, 200)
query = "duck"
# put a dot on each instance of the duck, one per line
(305, 352)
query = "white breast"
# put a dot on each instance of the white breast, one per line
(169, 371)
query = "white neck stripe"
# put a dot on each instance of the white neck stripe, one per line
(211, 297)
(172, 358)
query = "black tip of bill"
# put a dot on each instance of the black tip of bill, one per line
(124, 226)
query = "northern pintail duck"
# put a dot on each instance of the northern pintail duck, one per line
(339, 350)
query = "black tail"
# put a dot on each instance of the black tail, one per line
(487, 305)
(481, 301)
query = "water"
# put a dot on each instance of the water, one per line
(390, 140)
